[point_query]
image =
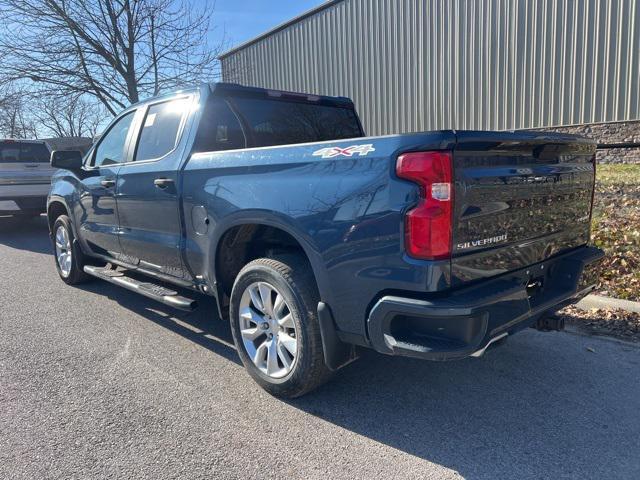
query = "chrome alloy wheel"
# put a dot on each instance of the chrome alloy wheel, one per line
(268, 331)
(63, 250)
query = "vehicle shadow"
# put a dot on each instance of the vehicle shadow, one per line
(539, 407)
(30, 234)
(542, 406)
(201, 326)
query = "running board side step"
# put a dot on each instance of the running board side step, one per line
(150, 290)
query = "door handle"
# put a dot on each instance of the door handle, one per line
(163, 182)
(108, 183)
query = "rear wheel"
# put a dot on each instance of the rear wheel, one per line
(70, 260)
(275, 325)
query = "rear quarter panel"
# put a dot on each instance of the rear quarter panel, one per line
(345, 211)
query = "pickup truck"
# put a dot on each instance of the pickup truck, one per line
(25, 173)
(25, 177)
(316, 241)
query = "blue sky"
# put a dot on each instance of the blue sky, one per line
(244, 19)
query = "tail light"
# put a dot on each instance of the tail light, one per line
(428, 226)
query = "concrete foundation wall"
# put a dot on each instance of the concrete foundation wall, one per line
(610, 133)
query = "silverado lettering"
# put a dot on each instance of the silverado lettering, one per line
(483, 242)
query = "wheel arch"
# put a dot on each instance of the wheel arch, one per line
(246, 238)
(56, 206)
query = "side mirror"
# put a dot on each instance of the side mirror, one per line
(66, 159)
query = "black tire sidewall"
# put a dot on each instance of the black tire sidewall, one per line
(300, 313)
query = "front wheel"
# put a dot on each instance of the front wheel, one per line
(70, 260)
(275, 327)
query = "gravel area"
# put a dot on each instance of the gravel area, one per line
(97, 382)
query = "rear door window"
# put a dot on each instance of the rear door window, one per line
(161, 129)
(282, 122)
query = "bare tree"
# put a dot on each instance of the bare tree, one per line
(15, 121)
(115, 51)
(68, 117)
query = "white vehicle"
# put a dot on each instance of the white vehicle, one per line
(25, 172)
(25, 177)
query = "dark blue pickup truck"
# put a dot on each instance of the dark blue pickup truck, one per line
(317, 241)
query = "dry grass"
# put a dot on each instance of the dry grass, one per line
(616, 229)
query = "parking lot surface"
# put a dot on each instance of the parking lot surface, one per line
(97, 382)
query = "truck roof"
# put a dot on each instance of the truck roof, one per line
(20, 140)
(223, 88)
(235, 89)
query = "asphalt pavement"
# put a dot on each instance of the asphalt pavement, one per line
(97, 382)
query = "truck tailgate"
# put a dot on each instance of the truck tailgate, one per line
(519, 199)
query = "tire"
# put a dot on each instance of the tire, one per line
(290, 277)
(70, 272)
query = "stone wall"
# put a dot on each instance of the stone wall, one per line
(608, 133)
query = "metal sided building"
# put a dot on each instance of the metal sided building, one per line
(413, 65)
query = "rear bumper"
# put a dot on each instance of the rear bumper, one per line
(23, 198)
(12, 205)
(466, 321)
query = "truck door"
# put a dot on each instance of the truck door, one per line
(148, 201)
(97, 214)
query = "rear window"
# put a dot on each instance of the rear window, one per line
(34, 152)
(281, 122)
(23, 152)
(9, 152)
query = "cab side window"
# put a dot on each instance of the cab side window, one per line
(161, 129)
(111, 149)
(219, 128)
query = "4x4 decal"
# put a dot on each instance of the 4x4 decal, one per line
(330, 152)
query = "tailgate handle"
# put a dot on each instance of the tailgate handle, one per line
(533, 286)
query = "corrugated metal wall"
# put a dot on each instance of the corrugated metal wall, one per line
(414, 65)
